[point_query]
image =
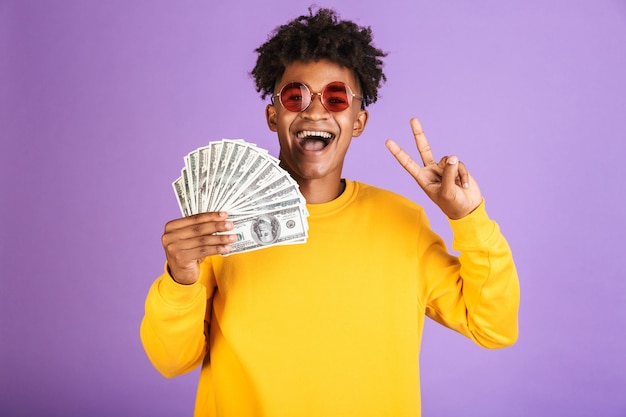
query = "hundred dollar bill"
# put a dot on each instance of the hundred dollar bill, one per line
(243, 169)
(203, 178)
(277, 227)
(236, 149)
(185, 176)
(269, 175)
(249, 173)
(181, 197)
(273, 195)
(268, 206)
(220, 173)
(214, 158)
(191, 162)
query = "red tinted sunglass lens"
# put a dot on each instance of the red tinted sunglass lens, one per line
(336, 97)
(295, 97)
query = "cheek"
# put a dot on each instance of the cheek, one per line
(347, 123)
(284, 120)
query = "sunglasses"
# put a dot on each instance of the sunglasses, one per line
(335, 97)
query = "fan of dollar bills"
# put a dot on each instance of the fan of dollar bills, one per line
(262, 200)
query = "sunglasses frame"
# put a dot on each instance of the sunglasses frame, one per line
(350, 96)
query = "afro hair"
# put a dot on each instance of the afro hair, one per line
(318, 36)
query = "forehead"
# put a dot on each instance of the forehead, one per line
(317, 74)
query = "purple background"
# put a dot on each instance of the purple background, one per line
(100, 101)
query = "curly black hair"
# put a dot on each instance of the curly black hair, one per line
(320, 36)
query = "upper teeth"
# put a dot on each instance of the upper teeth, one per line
(309, 133)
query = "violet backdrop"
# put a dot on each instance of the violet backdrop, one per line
(100, 101)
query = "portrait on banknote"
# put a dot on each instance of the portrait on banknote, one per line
(265, 229)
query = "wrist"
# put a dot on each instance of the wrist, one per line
(179, 281)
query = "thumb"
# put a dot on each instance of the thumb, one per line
(448, 178)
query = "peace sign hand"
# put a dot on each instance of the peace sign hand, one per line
(447, 183)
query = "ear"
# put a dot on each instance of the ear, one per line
(270, 116)
(359, 123)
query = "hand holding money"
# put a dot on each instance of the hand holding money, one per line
(263, 202)
(189, 240)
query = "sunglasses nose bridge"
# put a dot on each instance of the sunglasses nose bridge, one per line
(312, 98)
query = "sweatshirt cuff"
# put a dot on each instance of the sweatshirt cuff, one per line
(176, 294)
(475, 229)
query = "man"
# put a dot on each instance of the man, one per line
(331, 327)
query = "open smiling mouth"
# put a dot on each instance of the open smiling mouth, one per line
(313, 140)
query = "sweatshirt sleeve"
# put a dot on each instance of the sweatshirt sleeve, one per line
(175, 324)
(476, 294)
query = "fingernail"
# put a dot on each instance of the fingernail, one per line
(453, 160)
(465, 185)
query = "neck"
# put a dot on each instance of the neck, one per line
(321, 191)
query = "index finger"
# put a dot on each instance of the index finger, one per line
(421, 142)
(195, 220)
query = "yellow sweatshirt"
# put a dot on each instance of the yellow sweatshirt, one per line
(333, 327)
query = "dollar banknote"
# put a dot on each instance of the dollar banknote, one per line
(262, 199)
(278, 227)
